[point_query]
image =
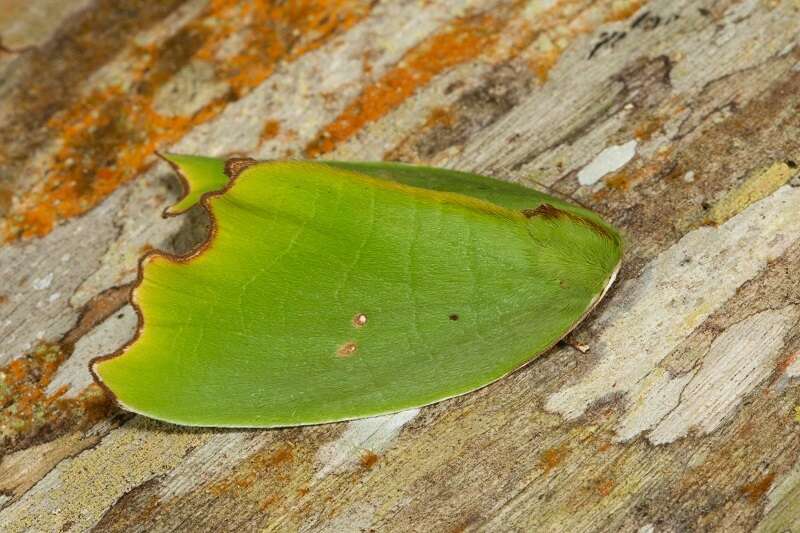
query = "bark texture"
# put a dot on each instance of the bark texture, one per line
(679, 121)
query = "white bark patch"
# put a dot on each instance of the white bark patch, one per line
(103, 339)
(609, 160)
(649, 316)
(32, 268)
(745, 354)
(658, 395)
(373, 434)
(218, 456)
(39, 284)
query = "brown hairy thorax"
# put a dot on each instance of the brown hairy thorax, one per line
(548, 212)
(544, 211)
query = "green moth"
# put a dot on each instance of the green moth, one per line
(333, 290)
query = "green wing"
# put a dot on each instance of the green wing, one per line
(199, 175)
(330, 291)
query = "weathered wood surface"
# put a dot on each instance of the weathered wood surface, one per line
(683, 416)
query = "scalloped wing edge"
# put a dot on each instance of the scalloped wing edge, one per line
(199, 192)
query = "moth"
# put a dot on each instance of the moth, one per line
(330, 291)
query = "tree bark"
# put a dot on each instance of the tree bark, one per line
(678, 121)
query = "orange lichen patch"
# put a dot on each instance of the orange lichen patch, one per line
(552, 457)
(283, 455)
(621, 180)
(3, 299)
(645, 130)
(368, 459)
(640, 170)
(605, 486)
(624, 10)
(464, 40)
(255, 468)
(783, 364)
(440, 116)
(109, 136)
(28, 413)
(270, 130)
(543, 63)
(755, 490)
(266, 502)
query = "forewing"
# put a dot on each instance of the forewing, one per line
(328, 294)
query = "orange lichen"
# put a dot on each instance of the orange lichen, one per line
(270, 130)
(368, 459)
(266, 502)
(543, 63)
(645, 130)
(787, 361)
(623, 179)
(252, 470)
(464, 40)
(605, 486)
(109, 136)
(624, 10)
(440, 116)
(755, 490)
(552, 457)
(283, 455)
(28, 412)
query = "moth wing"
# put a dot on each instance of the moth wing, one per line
(328, 294)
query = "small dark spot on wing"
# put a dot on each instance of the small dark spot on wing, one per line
(454, 317)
